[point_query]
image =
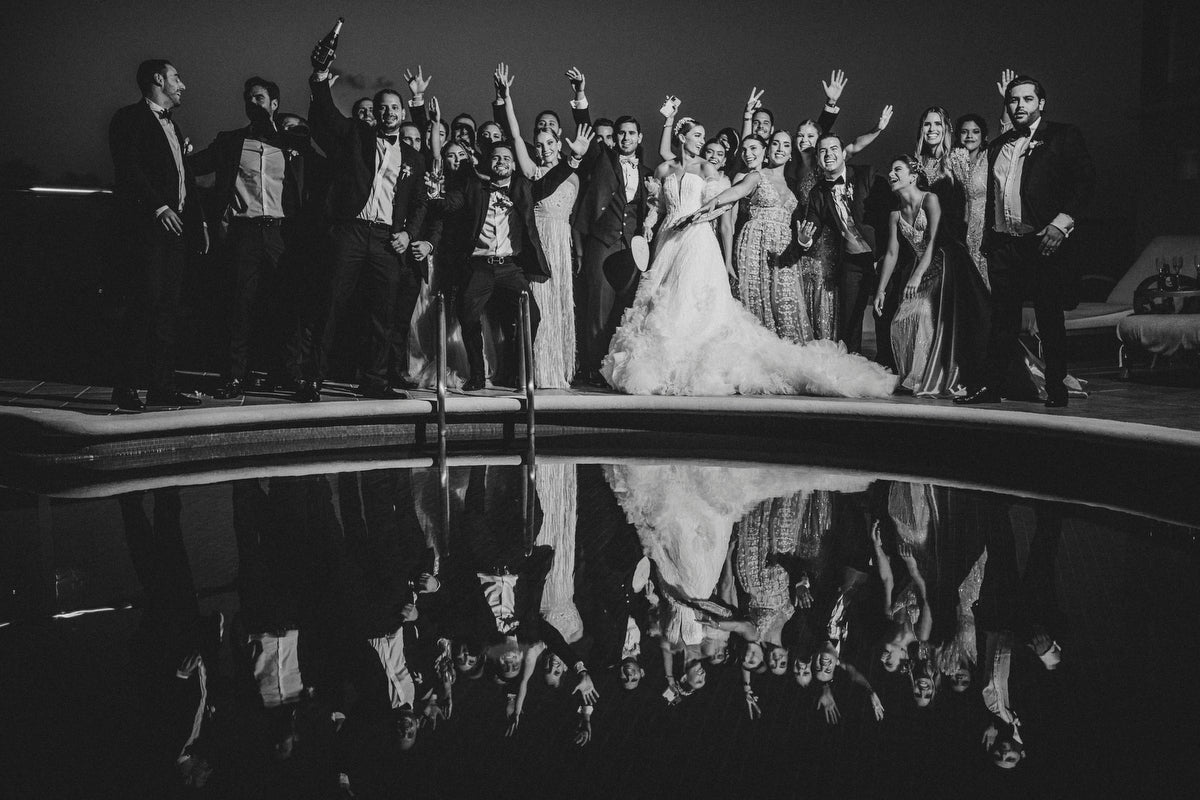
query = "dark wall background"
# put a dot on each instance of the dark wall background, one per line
(68, 65)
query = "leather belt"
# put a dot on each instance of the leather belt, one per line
(260, 222)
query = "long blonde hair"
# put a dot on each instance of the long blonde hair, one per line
(940, 154)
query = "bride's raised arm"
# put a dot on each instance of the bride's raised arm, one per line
(669, 109)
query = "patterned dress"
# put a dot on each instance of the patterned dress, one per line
(769, 288)
(554, 348)
(974, 179)
(818, 286)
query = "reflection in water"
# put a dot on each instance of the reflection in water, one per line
(372, 648)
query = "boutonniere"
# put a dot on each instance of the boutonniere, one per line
(290, 154)
(405, 171)
(1033, 145)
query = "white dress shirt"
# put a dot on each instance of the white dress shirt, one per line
(402, 690)
(501, 232)
(383, 189)
(258, 187)
(277, 667)
(501, 594)
(168, 128)
(1006, 177)
(842, 195)
(630, 171)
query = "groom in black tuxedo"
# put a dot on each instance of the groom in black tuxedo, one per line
(1040, 179)
(157, 214)
(611, 210)
(839, 203)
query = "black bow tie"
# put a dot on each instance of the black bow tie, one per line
(496, 188)
(164, 114)
(390, 138)
(840, 180)
(1022, 131)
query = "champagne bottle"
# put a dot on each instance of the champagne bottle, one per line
(325, 50)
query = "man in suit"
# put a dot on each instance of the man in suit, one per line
(158, 213)
(498, 250)
(259, 190)
(838, 203)
(1040, 180)
(610, 211)
(376, 207)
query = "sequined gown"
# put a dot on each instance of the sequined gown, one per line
(974, 179)
(818, 286)
(768, 287)
(554, 347)
(686, 335)
(922, 350)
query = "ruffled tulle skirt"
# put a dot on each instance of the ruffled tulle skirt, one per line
(686, 335)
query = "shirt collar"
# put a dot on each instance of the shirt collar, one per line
(155, 107)
(841, 175)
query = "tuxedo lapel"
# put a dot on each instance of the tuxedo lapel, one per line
(620, 178)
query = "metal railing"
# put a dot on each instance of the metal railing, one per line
(525, 343)
(442, 462)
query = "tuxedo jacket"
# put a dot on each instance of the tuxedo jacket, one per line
(1057, 178)
(467, 205)
(350, 144)
(146, 177)
(223, 158)
(600, 207)
(821, 212)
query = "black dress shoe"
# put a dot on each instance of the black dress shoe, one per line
(394, 393)
(984, 394)
(289, 385)
(229, 390)
(597, 380)
(309, 392)
(374, 391)
(128, 400)
(1056, 400)
(171, 399)
(474, 384)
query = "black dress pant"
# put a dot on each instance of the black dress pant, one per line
(603, 306)
(856, 289)
(361, 253)
(264, 315)
(496, 288)
(152, 283)
(1018, 271)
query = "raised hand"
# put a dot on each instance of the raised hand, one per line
(827, 704)
(1006, 77)
(577, 79)
(503, 80)
(433, 712)
(583, 734)
(670, 106)
(417, 84)
(587, 690)
(583, 139)
(435, 111)
(835, 86)
(876, 538)
(805, 232)
(884, 118)
(754, 102)
(752, 705)
(989, 737)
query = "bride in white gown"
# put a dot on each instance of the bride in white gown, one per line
(686, 335)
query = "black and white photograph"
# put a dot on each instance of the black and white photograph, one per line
(612, 399)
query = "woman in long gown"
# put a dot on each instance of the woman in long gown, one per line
(454, 159)
(554, 348)
(685, 334)
(922, 328)
(767, 285)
